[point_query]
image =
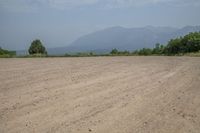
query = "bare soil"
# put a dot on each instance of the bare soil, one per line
(100, 95)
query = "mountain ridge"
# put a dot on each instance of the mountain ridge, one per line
(122, 38)
(129, 38)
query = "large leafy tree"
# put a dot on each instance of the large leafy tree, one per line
(37, 48)
(188, 43)
(191, 42)
(174, 46)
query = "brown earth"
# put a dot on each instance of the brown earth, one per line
(100, 95)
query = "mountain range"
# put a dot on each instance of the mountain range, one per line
(122, 38)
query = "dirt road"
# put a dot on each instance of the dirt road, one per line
(100, 95)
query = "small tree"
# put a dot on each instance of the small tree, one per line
(114, 52)
(37, 48)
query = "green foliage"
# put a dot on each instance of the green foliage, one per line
(158, 50)
(67, 55)
(145, 51)
(187, 44)
(37, 48)
(191, 42)
(117, 52)
(7, 53)
(178, 46)
(124, 52)
(80, 54)
(114, 52)
(173, 47)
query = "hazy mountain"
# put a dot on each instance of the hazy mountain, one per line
(128, 38)
(124, 39)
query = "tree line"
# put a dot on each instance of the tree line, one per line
(189, 43)
(6, 53)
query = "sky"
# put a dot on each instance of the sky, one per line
(57, 23)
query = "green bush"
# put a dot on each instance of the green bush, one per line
(6, 53)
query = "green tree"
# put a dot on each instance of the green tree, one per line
(191, 42)
(37, 48)
(145, 51)
(188, 43)
(114, 52)
(173, 47)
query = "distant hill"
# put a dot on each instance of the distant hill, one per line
(128, 38)
(123, 39)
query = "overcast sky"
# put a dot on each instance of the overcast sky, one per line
(59, 22)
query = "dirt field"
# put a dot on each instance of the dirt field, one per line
(100, 95)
